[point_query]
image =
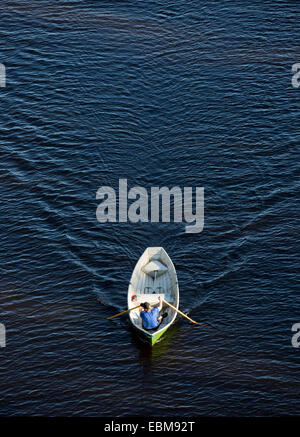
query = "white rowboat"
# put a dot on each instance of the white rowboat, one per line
(154, 275)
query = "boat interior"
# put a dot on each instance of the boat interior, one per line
(153, 276)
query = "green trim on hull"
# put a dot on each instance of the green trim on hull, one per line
(157, 336)
(151, 339)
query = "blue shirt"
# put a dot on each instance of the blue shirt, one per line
(150, 318)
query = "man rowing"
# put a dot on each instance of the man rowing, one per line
(150, 317)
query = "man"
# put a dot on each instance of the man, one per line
(150, 318)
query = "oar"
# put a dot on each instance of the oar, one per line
(184, 315)
(123, 312)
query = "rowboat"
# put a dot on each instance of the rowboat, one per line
(154, 275)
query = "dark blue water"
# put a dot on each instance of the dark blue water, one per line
(162, 94)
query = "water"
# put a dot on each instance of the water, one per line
(163, 94)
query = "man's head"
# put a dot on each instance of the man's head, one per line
(146, 306)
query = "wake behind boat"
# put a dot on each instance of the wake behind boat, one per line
(154, 275)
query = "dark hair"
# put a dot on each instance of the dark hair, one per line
(146, 305)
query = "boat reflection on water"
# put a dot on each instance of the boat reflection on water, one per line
(148, 354)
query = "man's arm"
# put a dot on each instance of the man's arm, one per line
(159, 303)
